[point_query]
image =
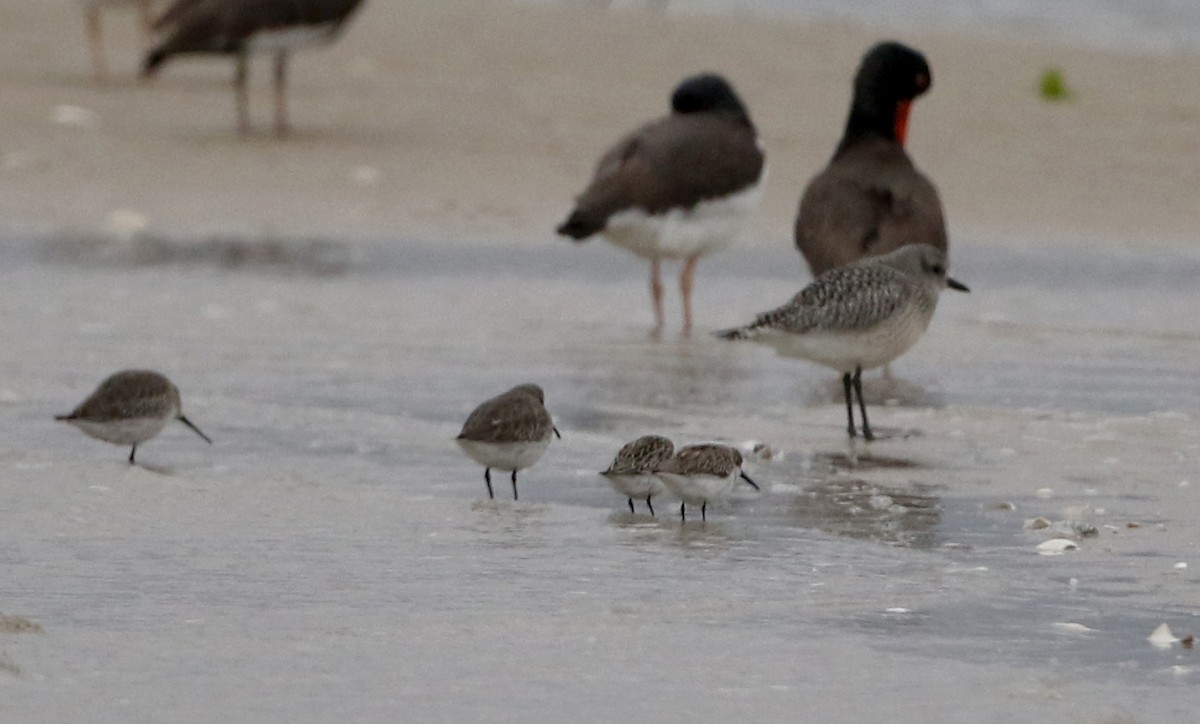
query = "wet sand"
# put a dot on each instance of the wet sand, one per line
(483, 118)
(333, 554)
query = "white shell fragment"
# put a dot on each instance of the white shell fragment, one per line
(1071, 627)
(1162, 637)
(76, 116)
(1181, 566)
(1056, 547)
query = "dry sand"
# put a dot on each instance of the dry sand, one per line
(483, 119)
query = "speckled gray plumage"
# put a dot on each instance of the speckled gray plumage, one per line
(518, 415)
(643, 455)
(129, 394)
(707, 459)
(858, 297)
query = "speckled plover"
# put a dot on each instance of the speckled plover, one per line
(857, 317)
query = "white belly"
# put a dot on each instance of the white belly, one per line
(123, 432)
(846, 350)
(272, 41)
(699, 489)
(683, 233)
(505, 455)
(640, 486)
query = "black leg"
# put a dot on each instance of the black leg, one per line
(514, 479)
(683, 512)
(862, 405)
(703, 508)
(649, 504)
(631, 510)
(487, 478)
(131, 453)
(847, 387)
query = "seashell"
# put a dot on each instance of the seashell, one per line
(1162, 637)
(1056, 546)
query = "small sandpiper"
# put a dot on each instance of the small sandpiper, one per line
(857, 317)
(508, 432)
(129, 408)
(698, 474)
(632, 470)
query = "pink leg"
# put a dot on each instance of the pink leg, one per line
(96, 42)
(686, 282)
(656, 296)
(281, 122)
(239, 89)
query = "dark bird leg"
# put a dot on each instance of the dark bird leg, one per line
(514, 481)
(96, 42)
(656, 296)
(631, 510)
(649, 504)
(683, 512)
(487, 478)
(686, 282)
(847, 387)
(862, 405)
(132, 452)
(281, 122)
(703, 511)
(240, 75)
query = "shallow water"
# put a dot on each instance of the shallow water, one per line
(1144, 25)
(333, 554)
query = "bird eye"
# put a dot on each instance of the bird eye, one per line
(938, 269)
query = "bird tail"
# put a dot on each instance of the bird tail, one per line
(735, 333)
(578, 226)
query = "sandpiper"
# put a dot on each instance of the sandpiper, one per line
(508, 432)
(857, 317)
(698, 474)
(632, 470)
(679, 187)
(240, 28)
(129, 408)
(871, 199)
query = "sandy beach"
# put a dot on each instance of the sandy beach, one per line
(484, 118)
(333, 555)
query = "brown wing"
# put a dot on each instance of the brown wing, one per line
(870, 200)
(719, 460)
(674, 162)
(128, 394)
(221, 26)
(515, 416)
(642, 455)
